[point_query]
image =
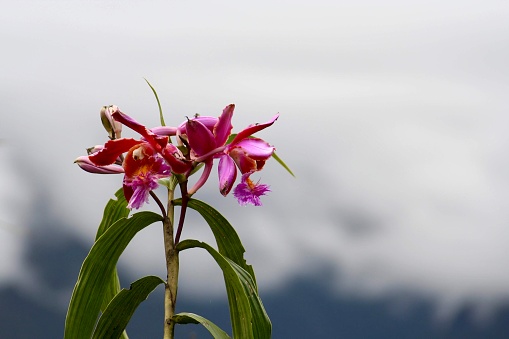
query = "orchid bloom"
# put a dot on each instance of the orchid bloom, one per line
(207, 138)
(154, 157)
(146, 161)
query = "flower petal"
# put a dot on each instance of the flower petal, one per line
(87, 165)
(245, 163)
(247, 192)
(208, 121)
(250, 130)
(256, 149)
(164, 130)
(203, 178)
(200, 138)
(157, 142)
(227, 174)
(112, 150)
(130, 122)
(224, 126)
(175, 159)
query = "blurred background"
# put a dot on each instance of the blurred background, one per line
(393, 118)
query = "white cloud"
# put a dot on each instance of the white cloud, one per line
(392, 116)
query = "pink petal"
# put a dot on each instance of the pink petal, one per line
(227, 174)
(87, 165)
(248, 192)
(200, 138)
(250, 130)
(224, 126)
(255, 148)
(130, 122)
(203, 178)
(164, 130)
(156, 142)
(208, 121)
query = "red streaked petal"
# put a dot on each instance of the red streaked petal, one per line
(130, 122)
(128, 191)
(112, 150)
(157, 142)
(243, 161)
(250, 130)
(174, 158)
(224, 126)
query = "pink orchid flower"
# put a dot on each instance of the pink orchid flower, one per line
(146, 161)
(208, 141)
(153, 157)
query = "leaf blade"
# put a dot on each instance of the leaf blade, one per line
(90, 290)
(249, 319)
(116, 316)
(282, 163)
(161, 117)
(187, 318)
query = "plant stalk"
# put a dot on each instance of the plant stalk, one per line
(172, 269)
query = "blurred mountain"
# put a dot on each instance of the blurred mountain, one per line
(306, 308)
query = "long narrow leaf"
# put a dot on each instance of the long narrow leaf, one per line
(95, 272)
(282, 163)
(158, 103)
(114, 210)
(230, 246)
(191, 318)
(121, 308)
(250, 320)
(227, 239)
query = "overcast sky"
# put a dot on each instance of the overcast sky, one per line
(393, 117)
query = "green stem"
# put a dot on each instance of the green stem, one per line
(172, 268)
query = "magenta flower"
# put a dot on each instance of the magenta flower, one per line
(247, 192)
(201, 139)
(146, 161)
(143, 168)
(208, 141)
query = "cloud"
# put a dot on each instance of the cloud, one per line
(392, 117)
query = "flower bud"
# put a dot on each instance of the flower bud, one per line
(114, 128)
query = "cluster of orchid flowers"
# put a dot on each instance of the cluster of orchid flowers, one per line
(199, 141)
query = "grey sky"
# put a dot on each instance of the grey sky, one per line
(393, 117)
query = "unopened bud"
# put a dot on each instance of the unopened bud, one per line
(114, 128)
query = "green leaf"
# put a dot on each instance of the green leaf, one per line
(114, 210)
(158, 103)
(249, 319)
(230, 246)
(96, 271)
(121, 308)
(281, 162)
(191, 318)
(227, 239)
